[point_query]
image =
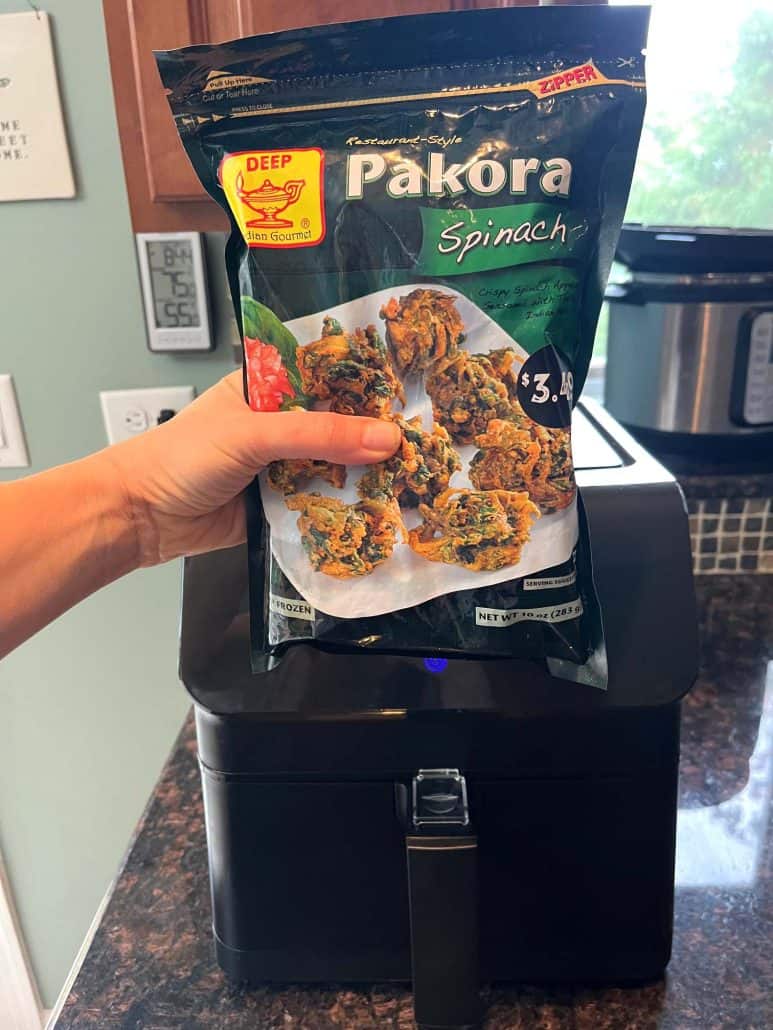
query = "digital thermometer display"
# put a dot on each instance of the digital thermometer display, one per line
(173, 284)
(174, 288)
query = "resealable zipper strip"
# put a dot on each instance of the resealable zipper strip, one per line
(560, 83)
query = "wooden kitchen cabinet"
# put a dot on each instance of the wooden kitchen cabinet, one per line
(164, 192)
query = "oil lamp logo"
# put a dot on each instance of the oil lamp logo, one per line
(276, 196)
(268, 200)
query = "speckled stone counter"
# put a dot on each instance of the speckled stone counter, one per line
(150, 964)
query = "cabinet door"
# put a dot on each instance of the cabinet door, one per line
(259, 16)
(164, 192)
(290, 14)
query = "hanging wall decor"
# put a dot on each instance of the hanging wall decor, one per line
(34, 157)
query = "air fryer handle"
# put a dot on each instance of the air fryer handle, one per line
(443, 894)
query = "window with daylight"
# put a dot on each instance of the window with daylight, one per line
(706, 153)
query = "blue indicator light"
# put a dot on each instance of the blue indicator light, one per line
(435, 664)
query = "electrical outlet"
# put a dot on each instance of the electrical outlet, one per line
(129, 412)
(13, 448)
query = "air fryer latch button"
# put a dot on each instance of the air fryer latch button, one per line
(440, 798)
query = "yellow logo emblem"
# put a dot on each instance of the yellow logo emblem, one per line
(277, 196)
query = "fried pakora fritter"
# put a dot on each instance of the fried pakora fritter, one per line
(466, 394)
(293, 474)
(421, 328)
(506, 459)
(537, 460)
(552, 486)
(346, 540)
(507, 365)
(420, 469)
(482, 530)
(351, 370)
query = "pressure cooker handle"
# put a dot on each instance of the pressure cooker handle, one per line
(625, 293)
(443, 895)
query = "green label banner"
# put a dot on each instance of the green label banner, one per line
(458, 241)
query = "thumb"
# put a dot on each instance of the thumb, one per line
(346, 439)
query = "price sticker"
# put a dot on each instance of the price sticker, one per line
(546, 388)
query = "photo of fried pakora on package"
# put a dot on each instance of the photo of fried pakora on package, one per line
(422, 328)
(466, 394)
(482, 530)
(552, 485)
(291, 475)
(420, 469)
(507, 456)
(520, 471)
(506, 363)
(345, 540)
(351, 370)
(535, 459)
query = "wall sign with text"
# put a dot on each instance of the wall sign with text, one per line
(34, 158)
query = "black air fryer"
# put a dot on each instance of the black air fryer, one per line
(374, 818)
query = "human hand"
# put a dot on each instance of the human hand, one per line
(183, 481)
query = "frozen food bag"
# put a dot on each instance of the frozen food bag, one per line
(423, 215)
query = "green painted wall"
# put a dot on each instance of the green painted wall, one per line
(90, 707)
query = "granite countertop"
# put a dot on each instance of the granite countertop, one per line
(150, 964)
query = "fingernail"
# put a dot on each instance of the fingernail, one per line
(380, 436)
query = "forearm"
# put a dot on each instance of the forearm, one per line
(173, 490)
(65, 533)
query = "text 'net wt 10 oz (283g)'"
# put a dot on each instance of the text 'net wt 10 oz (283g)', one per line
(424, 211)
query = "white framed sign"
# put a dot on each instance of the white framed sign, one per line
(34, 158)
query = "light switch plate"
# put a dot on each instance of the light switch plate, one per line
(13, 448)
(129, 412)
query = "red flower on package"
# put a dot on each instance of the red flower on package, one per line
(267, 380)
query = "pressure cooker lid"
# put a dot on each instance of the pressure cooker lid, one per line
(685, 250)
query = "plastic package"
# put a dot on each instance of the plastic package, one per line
(422, 231)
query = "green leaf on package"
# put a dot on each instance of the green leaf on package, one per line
(260, 323)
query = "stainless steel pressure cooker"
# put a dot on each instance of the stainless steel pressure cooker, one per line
(690, 349)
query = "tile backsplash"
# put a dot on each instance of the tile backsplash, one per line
(731, 534)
